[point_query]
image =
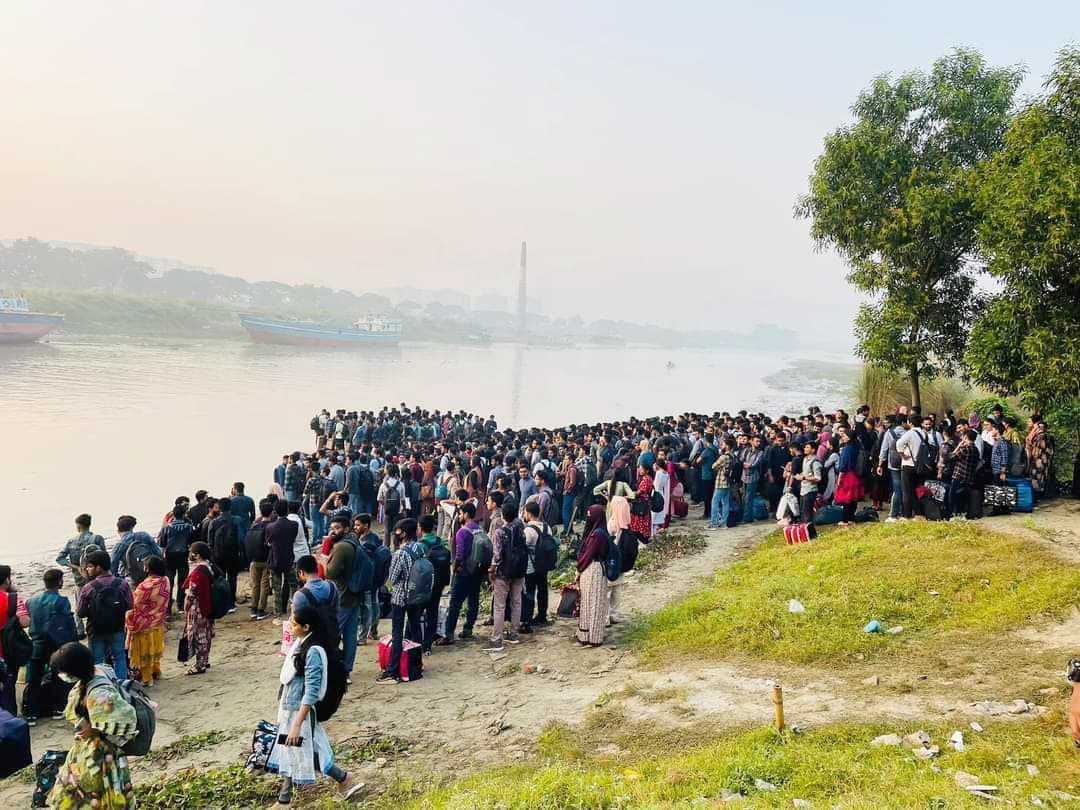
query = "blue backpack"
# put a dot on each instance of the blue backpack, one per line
(363, 568)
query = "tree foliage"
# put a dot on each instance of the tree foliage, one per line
(1027, 341)
(894, 194)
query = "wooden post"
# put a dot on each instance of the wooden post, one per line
(778, 704)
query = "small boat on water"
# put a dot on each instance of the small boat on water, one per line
(19, 325)
(368, 330)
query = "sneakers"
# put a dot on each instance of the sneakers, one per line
(30, 721)
(494, 647)
(465, 635)
(58, 715)
(525, 629)
(231, 610)
(513, 640)
(890, 520)
(261, 615)
(349, 787)
(444, 642)
(385, 679)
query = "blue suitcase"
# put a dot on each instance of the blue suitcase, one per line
(1025, 501)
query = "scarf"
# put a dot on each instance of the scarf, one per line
(1033, 436)
(595, 518)
(150, 605)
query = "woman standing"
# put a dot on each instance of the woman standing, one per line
(95, 773)
(591, 580)
(618, 524)
(642, 523)
(849, 488)
(662, 484)
(832, 469)
(475, 486)
(1040, 452)
(199, 626)
(303, 750)
(145, 623)
(614, 486)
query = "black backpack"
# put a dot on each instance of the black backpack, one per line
(656, 501)
(18, 648)
(107, 609)
(546, 551)
(327, 614)
(628, 549)
(367, 481)
(337, 684)
(926, 460)
(255, 543)
(439, 555)
(392, 503)
(141, 549)
(515, 554)
(220, 594)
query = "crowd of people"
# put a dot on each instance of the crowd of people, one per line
(391, 510)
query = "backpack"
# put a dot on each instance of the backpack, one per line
(480, 554)
(421, 580)
(613, 561)
(656, 501)
(59, 629)
(894, 454)
(591, 476)
(515, 554)
(628, 549)
(362, 572)
(177, 536)
(734, 474)
(314, 424)
(220, 594)
(1018, 460)
(552, 515)
(138, 744)
(366, 481)
(255, 543)
(18, 648)
(392, 504)
(142, 548)
(546, 551)
(439, 556)
(381, 559)
(926, 460)
(107, 609)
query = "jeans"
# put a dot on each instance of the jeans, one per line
(176, 570)
(35, 670)
(348, 620)
(398, 615)
(907, 496)
(233, 576)
(749, 493)
(707, 489)
(114, 643)
(241, 524)
(567, 512)
(536, 585)
(318, 526)
(958, 498)
(773, 491)
(391, 519)
(806, 506)
(260, 586)
(720, 507)
(354, 505)
(431, 617)
(894, 504)
(465, 588)
(369, 617)
(503, 589)
(285, 585)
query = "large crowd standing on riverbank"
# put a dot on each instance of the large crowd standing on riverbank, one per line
(389, 511)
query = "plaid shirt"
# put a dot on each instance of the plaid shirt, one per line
(722, 468)
(966, 458)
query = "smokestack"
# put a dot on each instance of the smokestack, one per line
(521, 302)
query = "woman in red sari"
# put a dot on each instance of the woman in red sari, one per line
(642, 524)
(199, 627)
(145, 623)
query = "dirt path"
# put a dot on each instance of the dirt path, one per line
(469, 698)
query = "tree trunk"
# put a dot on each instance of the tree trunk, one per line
(916, 397)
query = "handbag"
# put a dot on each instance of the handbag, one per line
(999, 496)
(568, 601)
(639, 506)
(182, 651)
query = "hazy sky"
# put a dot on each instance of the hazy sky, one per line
(650, 153)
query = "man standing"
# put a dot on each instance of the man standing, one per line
(175, 540)
(73, 554)
(257, 552)
(242, 512)
(909, 446)
(776, 458)
(294, 480)
(224, 545)
(889, 457)
(706, 458)
(409, 550)
(350, 569)
(508, 568)
(280, 537)
(809, 480)
(104, 602)
(466, 583)
(380, 556)
(439, 557)
(751, 476)
(11, 604)
(721, 500)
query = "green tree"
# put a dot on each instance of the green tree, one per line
(1027, 340)
(894, 194)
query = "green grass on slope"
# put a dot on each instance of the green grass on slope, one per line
(934, 579)
(834, 766)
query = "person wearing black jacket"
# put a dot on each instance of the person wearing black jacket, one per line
(197, 513)
(257, 551)
(776, 458)
(224, 546)
(175, 540)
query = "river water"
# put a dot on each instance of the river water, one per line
(123, 425)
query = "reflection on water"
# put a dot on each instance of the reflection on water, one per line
(124, 426)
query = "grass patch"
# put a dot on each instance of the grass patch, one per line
(220, 787)
(939, 581)
(188, 744)
(831, 766)
(667, 546)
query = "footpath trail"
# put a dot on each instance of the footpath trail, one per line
(473, 709)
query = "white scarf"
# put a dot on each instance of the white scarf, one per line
(288, 667)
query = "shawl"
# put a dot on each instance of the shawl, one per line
(1033, 436)
(199, 581)
(620, 515)
(150, 605)
(595, 548)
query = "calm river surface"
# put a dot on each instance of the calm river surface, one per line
(114, 426)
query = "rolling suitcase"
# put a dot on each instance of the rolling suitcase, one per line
(14, 744)
(412, 658)
(1025, 500)
(799, 533)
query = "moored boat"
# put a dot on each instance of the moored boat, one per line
(368, 330)
(19, 325)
